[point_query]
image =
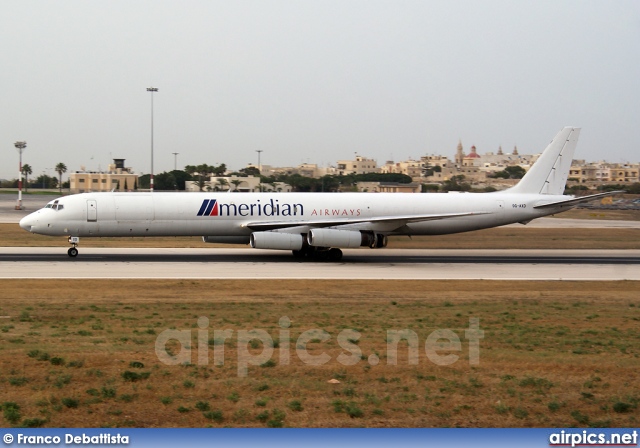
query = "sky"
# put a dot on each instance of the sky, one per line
(312, 81)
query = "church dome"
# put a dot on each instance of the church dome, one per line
(473, 154)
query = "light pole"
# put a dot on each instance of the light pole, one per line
(151, 89)
(175, 160)
(20, 146)
(259, 151)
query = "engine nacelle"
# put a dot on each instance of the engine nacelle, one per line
(276, 240)
(338, 238)
(345, 238)
(226, 239)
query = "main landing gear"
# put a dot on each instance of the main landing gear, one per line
(319, 253)
(335, 254)
(73, 251)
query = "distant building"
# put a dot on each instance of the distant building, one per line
(361, 165)
(236, 183)
(116, 178)
(313, 170)
(492, 163)
(437, 160)
(226, 183)
(304, 169)
(471, 159)
(411, 168)
(603, 172)
(476, 167)
(459, 154)
(388, 187)
(442, 174)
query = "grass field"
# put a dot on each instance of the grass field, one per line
(554, 354)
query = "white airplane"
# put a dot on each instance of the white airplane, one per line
(312, 224)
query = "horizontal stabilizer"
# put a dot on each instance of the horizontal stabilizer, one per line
(574, 201)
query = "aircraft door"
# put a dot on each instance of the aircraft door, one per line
(92, 210)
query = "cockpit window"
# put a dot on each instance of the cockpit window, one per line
(54, 205)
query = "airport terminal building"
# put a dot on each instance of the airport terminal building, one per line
(116, 178)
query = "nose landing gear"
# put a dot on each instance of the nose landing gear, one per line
(74, 241)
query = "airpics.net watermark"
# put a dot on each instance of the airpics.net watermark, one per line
(247, 342)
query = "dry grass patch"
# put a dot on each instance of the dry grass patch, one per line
(583, 213)
(525, 238)
(82, 353)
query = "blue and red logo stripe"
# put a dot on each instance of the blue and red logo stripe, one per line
(209, 207)
(272, 207)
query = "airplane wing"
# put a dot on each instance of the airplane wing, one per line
(399, 220)
(574, 201)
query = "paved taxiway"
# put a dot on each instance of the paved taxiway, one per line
(24, 262)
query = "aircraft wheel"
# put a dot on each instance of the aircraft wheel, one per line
(73, 252)
(319, 255)
(335, 254)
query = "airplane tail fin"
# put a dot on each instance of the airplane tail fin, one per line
(549, 173)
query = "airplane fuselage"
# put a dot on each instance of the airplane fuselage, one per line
(232, 214)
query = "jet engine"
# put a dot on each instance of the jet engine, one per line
(276, 240)
(344, 238)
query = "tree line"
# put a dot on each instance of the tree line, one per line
(201, 174)
(43, 181)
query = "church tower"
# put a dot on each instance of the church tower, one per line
(459, 154)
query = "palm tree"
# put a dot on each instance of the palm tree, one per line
(190, 170)
(236, 182)
(204, 171)
(61, 168)
(219, 170)
(222, 182)
(26, 170)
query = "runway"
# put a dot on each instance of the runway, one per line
(418, 264)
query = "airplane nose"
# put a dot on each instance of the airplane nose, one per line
(27, 222)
